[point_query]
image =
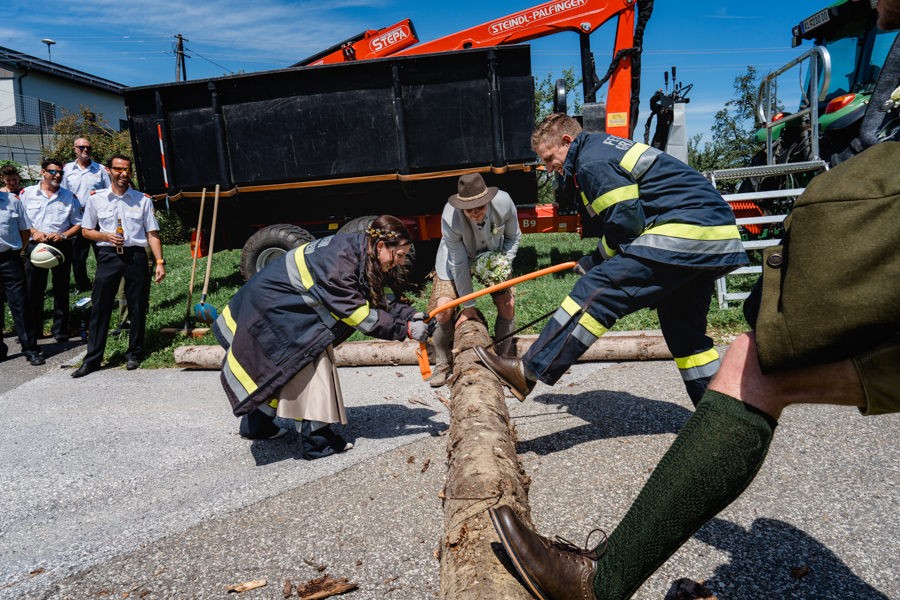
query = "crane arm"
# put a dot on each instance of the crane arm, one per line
(372, 43)
(579, 16)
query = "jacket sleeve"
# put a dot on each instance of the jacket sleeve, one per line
(512, 233)
(457, 255)
(611, 195)
(340, 292)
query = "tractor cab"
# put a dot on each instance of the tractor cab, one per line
(846, 60)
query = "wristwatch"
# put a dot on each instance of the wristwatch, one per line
(160, 261)
(63, 236)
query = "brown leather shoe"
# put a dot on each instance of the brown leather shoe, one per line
(509, 370)
(551, 570)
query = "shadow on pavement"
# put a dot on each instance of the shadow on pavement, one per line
(608, 415)
(776, 560)
(378, 421)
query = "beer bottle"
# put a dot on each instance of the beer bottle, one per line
(121, 233)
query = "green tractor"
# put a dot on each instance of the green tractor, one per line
(851, 60)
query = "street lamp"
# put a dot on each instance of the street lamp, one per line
(49, 43)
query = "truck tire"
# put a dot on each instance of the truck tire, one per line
(268, 244)
(421, 255)
(357, 225)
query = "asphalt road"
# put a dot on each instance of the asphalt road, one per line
(136, 484)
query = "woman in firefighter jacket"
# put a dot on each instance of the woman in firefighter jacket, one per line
(279, 330)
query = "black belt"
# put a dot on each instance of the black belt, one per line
(125, 249)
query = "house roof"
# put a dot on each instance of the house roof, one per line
(19, 60)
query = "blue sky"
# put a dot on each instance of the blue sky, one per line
(132, 42)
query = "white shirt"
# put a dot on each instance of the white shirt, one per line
(13, 219)
(104, 208)
(462, 240)
(81, 181)
(53, 214)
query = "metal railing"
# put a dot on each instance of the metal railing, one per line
(26, 127)
(767, 99)
(788, 195)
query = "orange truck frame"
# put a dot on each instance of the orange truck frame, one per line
(578, 16)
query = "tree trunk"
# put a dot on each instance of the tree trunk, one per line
(615, 345)
(483, 471)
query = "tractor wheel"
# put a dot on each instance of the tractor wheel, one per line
(268, 244)
(421, 256)
(357, 225)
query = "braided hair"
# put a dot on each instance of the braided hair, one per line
(392, 232)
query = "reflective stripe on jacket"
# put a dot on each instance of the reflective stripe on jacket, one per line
(288, 313)
(652, 205)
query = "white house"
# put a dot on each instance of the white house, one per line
(34, 93)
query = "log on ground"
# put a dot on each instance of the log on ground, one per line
(483, 471)
(615, 345)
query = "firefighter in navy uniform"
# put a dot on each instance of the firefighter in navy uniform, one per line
(279, 330)
(666, 235)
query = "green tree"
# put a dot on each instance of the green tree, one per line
(105, 141)
(733, 141)
(545, 90)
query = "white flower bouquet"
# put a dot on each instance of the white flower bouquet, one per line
(491, 268)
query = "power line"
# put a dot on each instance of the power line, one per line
(226, 69)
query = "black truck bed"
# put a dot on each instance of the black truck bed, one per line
(312, 144)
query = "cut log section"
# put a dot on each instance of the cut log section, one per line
(483, 470)
(614, 345)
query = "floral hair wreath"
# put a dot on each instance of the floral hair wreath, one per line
(380, 234)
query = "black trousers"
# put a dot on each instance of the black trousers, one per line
(132, 265)
(36, 281)
(81, 246)
(12, 282)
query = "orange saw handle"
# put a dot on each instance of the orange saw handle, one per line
(422, 352)
(424, 362)
(502, 286)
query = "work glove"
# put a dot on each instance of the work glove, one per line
(586, 263)
(417, 330)
(432, 324)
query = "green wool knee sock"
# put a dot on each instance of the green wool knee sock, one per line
(711, 462)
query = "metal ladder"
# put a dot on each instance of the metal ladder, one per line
(722, 294)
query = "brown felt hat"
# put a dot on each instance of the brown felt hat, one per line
(472, 192)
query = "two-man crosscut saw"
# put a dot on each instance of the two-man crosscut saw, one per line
(422, 352)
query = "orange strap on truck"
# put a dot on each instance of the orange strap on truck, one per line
(422, 352)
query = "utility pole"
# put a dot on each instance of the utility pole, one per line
(180, 68)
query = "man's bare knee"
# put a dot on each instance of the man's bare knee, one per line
(741, 377)
(445, 315)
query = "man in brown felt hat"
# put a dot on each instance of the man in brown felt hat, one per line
(477, 219)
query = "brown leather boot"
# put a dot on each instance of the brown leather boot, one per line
(551, 570)
(509, 370)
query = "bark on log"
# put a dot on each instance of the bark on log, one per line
(615, 345)
(483, 471)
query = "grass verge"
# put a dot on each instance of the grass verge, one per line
(170, 306)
